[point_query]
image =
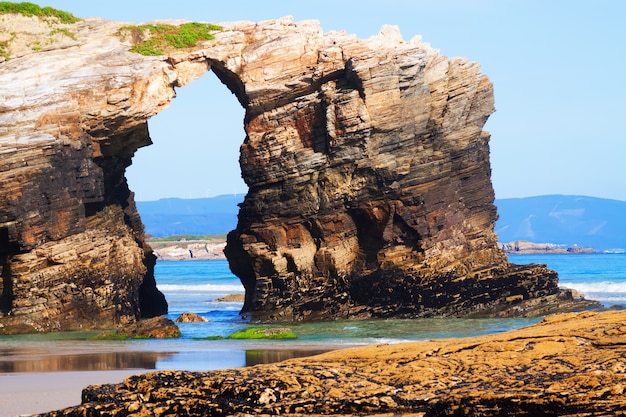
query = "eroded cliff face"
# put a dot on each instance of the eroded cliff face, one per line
(368, 169)
(72, 251)
(369, 175)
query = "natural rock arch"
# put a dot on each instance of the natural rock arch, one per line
(367, 167)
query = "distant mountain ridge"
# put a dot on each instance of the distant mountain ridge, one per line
(559, 219)
(563, 219)
(177, 216)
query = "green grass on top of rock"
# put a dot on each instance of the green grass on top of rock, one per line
(49, 15)
(62, 31)
(154, 40)
(32, 9)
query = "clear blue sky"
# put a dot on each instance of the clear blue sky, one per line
(558, 67)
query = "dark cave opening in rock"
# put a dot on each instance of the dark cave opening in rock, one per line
(7, 246)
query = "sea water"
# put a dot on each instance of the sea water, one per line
(599, 276)
(197, 286)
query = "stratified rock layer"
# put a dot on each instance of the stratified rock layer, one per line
(368, 169)
(369, 175)
(72, 251)
(568, 365)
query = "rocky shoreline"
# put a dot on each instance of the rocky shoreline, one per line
(189, 250)
(214, 249)
(523, 247)
(209, 249)
(567, 365)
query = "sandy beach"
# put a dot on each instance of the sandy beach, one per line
(41, 376)
(26, 393)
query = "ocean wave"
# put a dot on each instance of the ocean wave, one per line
(609, 287)
(391, 341)
(200, 288)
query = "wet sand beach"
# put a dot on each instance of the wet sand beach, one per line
(26, 393)
(37, 377)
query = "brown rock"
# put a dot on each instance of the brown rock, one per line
(154, 328)
(188, 250)
(370, 192)
(567, 365)
(520, 247)
(231, 298)
(72, 251)
(368, 168)
(190, 318)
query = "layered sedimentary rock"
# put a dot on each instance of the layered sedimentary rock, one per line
(568, 365)
(72, 252)
(369, 176)
(368, 170)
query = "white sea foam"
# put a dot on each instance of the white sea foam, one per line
(200, 288)
(611, 287)
(390, 341)
(607, 292)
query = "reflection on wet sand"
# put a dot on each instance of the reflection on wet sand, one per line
(13, 360)
(103, 361)
(257, 357)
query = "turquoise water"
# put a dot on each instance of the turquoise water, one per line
(195, 285)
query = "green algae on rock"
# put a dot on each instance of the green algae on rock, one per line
(255, 333)
(264, 333)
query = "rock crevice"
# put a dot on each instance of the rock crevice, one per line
(367, 166)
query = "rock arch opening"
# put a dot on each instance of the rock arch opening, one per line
(195, 149)
(193, 155)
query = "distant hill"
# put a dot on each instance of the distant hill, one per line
(559, 219)
(562, 219)
(177, 216)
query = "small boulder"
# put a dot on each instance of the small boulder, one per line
(155, 328)
(232, 298)
(17, 328)
(190, 318)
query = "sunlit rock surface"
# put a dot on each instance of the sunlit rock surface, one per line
(368, 169)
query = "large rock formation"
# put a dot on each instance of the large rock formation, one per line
(72, 251)
(368, 169)
(568, 365)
